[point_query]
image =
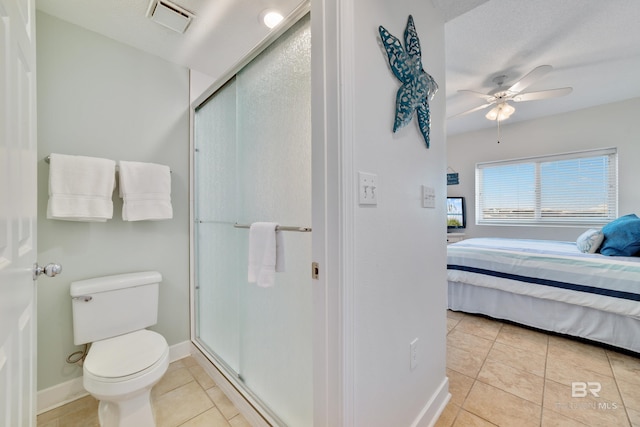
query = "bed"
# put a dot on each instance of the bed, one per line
(549, 285)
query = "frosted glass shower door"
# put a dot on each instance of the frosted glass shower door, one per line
(253, 163)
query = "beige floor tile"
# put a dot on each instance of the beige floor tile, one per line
(222, 402)
(533, 363)
(471, 343)
(172, 379)
(464, 362)
(519, 383)
(82, 405)
(553, 419)
(630, 394)
(209, 418)
(501, 408)
(524, 339)
(448, 415)
(578, 354)
(634, 416)
(480, 326)
(459, 386)
(201, 376)
(189, 361)
(181, 404)
(467, 419)
(566, 373)
(626, 368)
(451, 323)
(587, 410)
(239, 421)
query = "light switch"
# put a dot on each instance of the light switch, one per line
(428, 197)
(367, 188)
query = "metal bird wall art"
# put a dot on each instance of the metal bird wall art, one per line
(418, 87)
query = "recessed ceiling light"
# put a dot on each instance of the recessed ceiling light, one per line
(270, 18)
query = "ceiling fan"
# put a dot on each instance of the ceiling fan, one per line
(500, 96)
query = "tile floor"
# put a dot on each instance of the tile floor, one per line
(499, 375)
(504, 375)
(186, 396)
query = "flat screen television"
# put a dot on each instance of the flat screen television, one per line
(456, 213)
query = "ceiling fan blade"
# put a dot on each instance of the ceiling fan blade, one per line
(543, 94)
(464, 113)
(530, 78)
(477, 94)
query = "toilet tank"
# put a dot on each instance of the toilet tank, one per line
(108, 306)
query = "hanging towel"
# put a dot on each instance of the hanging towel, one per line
(145, 189)
(80, 188)
(266, 253)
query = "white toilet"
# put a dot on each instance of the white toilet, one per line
(125, 360)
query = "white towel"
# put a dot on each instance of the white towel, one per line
(266, 253)
(145, 189)
(80, 188)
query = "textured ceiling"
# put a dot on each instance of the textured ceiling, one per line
(594, 46)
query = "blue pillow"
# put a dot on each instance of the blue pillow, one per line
(621, 236)
(590, 241)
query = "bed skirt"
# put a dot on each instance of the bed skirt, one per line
(555, 316)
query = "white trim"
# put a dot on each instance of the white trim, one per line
(60, 394)
(68, 391)
(347, 221)
(434, 408)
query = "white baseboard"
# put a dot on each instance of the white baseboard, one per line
(432, 410)
(71, 390)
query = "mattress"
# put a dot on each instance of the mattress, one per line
(548, 270)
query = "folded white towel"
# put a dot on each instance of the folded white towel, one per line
(80, 188)
(266, 253)
(145, 189)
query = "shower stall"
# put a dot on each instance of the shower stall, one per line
(252, 163)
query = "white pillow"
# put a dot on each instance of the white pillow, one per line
(590, 241)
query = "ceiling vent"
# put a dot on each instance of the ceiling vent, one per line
(169, 15)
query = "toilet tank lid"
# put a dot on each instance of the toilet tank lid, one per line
(111, 283)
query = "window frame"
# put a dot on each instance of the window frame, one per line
(538, 219)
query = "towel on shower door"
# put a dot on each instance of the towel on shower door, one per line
(80, 188)
(266, 253)
(145, 189)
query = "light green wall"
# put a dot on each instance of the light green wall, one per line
(98, 97)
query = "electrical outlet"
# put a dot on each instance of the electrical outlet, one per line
(367, 188)
(428, 197)
(413, 354)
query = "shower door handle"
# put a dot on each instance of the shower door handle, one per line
(50, 270)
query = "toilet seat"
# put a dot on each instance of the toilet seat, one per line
(125, 357)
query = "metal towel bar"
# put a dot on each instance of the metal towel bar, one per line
(280, 227)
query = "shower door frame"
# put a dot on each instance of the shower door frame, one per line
(263, 415)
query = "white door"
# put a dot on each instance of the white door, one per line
(17, 213)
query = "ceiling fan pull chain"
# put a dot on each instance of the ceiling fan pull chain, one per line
(498, 130)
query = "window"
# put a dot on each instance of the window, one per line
(574, 188)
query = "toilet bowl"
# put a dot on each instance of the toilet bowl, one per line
(120, 373)
(125, 360)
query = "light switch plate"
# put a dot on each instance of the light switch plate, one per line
(367, 188)
(428, 197)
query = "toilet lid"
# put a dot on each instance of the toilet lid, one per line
(125, 355)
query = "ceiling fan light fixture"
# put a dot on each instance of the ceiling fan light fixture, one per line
(500, 112)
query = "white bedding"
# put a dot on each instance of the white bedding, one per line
(541, 270)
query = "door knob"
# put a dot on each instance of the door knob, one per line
(50, 270)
